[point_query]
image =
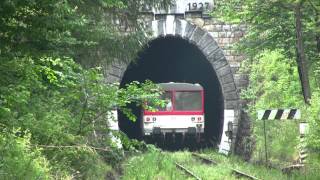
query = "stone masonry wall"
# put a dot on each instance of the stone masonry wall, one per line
(225, 35)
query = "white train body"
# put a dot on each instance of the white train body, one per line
(184, 112)
(173, 123)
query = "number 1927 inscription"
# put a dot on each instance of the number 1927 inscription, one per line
(198, 6)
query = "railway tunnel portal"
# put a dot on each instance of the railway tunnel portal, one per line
(181, 62)
(191, 49)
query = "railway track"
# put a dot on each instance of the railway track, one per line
(187, 171)
(208, 161)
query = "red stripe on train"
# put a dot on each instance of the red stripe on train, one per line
(174, 113)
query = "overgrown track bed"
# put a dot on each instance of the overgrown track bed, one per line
(238, 173)
(204, 159)
(187, 171)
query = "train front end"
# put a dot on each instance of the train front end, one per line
(183, 114)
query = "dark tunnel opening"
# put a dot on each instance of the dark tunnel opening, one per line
(173, 59)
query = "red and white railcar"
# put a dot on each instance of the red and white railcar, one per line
(184, 112)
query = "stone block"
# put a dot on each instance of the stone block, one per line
(231, 104)
(112, 79)
(226, 27)
(145, 17)
(234, 64)
(193, 15)
(222, 34)
(161, 28)
(189, 19)
(239, 58)
(198, 22)
(116, 72)
(197, 35)
(224, 70)
(212, 21)
(227, 79)
(233, 40)
(205, 41)
(217, 55)
(235, 27)
(229, 87)
(214, 34)
(218, 28)
(148, 25)
(243, 27)
(226, 40)
(231, 95)
(230, 58)
(208, 27)
(229, 35)
(234, 70)
(211, 48)
(189, 30)
(178, 28)
(238, 34)
(233, 52)
(241, 80)
(223, 40)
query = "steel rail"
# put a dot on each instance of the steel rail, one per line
(204, 159)
(234, 171)
(242, 174)
(187, 171)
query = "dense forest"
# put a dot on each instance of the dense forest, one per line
(54, 101)
(282, 48)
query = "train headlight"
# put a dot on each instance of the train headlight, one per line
(150, 119)
(193, 119)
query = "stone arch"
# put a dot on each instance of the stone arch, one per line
(171, 26)
(207, 45)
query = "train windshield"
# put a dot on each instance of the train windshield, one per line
(169, 106)
(188, 101)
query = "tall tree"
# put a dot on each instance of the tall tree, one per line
(52, 110)
(87, 30)
(277, 24)
(301, 57)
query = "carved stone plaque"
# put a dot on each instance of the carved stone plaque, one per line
(183, 6)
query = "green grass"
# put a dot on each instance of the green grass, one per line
(157, 165)
(151, 165)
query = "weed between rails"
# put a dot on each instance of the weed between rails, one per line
(159, 165)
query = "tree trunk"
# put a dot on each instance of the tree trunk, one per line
(318, 34)
(301, 57)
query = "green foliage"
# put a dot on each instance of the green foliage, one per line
(64, 109)
(21, 161)
(313, 135)
(270, 44)
(151, 165)
(54, 113)
(90, 31)
(271, 25)
(274, 83)
(161, 165)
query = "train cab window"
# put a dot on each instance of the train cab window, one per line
(188, 101)
(169, 106)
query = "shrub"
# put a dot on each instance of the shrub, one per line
(19, 160)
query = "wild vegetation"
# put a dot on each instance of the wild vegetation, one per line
(156, 164)
(54, 102)
(283, 54)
